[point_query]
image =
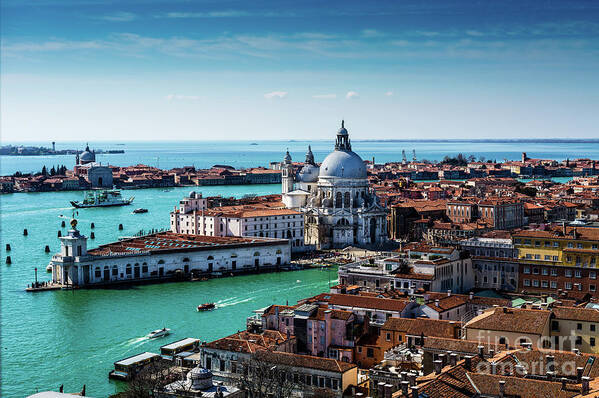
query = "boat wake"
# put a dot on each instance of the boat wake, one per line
(135, 342)
(231, 301)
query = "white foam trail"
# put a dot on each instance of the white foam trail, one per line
(234, 302)
(136, 341)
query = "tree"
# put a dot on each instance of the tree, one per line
(151, 379)
(52, 171)
(261, 379)
(44, 171)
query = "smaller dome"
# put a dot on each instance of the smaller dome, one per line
(200, 378)
(192, 194)
(87, 156)
(308, 173)
(287, 157)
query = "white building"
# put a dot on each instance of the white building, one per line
(161, 256)
(269, 220)
(98, 175)
(340, 208)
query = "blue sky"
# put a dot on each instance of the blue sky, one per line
(194, 69)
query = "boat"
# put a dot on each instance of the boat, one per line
(140, 210)
(102, 198)
(159, 333)
(206, 307)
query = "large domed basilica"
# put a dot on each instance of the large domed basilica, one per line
(339, 207)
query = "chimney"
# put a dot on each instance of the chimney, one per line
(491, 352)
(550, 375)
(453, 359)
(438, 364)
(381, 389)
(493, 368)
(550, 363)
(585, 384)
(501, 388)
(471, 295)
(448, 292)
(415, 393)
(468, 362)
(564, 381)
(520, 370)
(388, 390)
(403, 376)
(579, 371)
(412, 377)
(404, 388)
(481, 351)
(436, 302)
(443, 359)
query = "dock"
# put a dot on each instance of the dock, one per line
(43, 287)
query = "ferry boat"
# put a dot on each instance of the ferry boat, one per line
(159, 333)
(102, 198)
(206, 307)
(140, 210)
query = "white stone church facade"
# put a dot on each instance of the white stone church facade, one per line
(340, 208)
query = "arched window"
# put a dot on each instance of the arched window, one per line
(288, 234)
(338, 200)
(279, 251)
(233, 255)
(128, 269)
(256, 254)
(160, 261)
(346, 199)
(210, 258)
(115, 270)
(186, 260)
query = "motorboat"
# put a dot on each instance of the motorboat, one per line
(206, 307)
(140, 210)
(159, 333)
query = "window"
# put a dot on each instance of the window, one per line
(555, 258)
(115, 270)
(592, 288)
(570, 245)
(578, 340)
(537, 243)
(592, 275)
(568, 285)
(579, 326)
(535, 283)
(527, 270)
(369, 352)
(592, 342)
(592, 328)
(555, 244)
(97, 272)
(554, 271)
(553, 284)
(526, 282)
(535, 271)
(544, 284)
(388, 337)
(545, 271)
(579, 245)
(547, 257)
(578, 273)
(568, 273)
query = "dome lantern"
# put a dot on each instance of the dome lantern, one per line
(343, 143)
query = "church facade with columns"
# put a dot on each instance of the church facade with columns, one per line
(340, 209)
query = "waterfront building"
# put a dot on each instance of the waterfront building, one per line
(96, 174)
(322, 332)
(339, 207)
(263, 219)
(161, 256)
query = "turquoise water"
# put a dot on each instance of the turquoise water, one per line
(242, 154)
(72, 338)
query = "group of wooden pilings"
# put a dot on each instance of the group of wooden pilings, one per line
(59, 234)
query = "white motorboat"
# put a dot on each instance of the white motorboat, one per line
(159, 333)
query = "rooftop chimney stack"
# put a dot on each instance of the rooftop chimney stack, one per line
(415, 392)
(585, 384)
(481, 351)
(501, 388)
(404, 388)
(438, 364)
(579, 371)
(453, 359)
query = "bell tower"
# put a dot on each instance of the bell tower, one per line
(287, 174)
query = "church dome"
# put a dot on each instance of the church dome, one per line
(200, 378)
(343, 164)
(87, 156)
(308, 173)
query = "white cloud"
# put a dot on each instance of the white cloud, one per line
(325, 96)
(119, 17)
(389, 93)
(276, 94)
(371, 33)
(179, 97)
(351, 95)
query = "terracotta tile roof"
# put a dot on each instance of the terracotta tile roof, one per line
(423, 326)
(488, 385)
(511, 320)
(304, 361)
(248, 342)
(351, 300)
(469, 347)
(447, 303)
(566, 362)
(576, 314)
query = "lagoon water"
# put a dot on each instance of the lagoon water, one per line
(240, 154)
(73, 338)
